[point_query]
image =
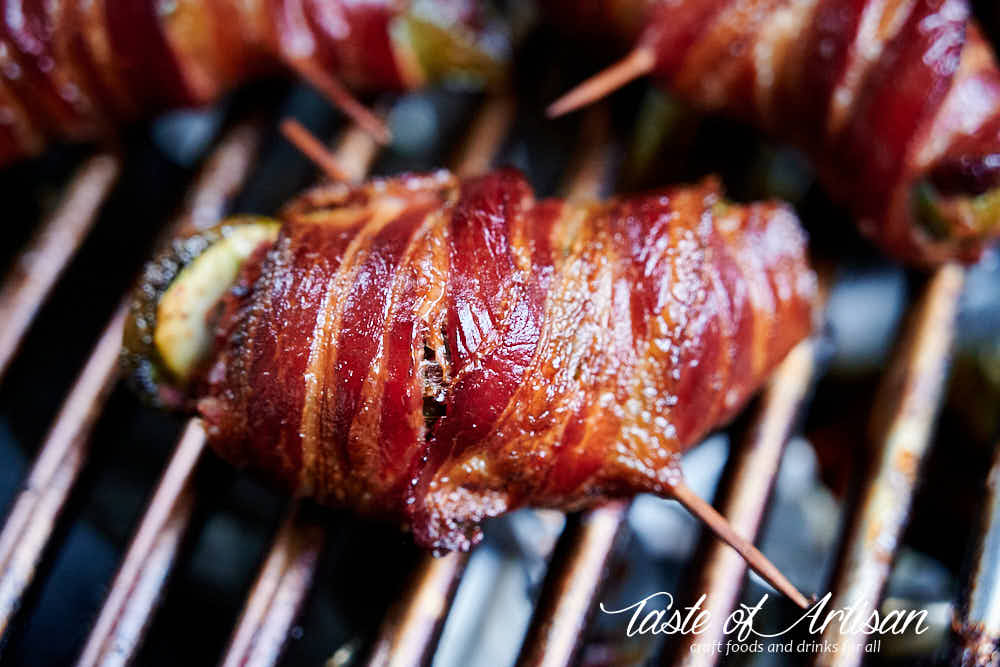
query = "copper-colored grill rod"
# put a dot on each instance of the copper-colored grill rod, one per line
(37, 507)
(754, 467)
(410, 631)
(283, 582)
(902, 422)
(571, 587)
(220, 180)
(977, 627)
(278, 593)
(139, 582)
(38, 267)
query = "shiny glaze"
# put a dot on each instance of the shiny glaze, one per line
(882, 94)
(440, 351)
(71, 69)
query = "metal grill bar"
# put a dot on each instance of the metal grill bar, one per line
(754, 468)
(279, 591)
(410, 632)
(220, 180)
(37, 508)
(278, 603)
(138, 584)
(977, 627)
(571, 587)
(906, 406)
(38, 267)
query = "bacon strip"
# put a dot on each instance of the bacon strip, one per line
(439, 351)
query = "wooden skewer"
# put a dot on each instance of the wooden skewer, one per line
(638, 63)
(338, 95)
(342, 98)
(313, 148)
(754, 558)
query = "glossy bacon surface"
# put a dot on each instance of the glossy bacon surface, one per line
(882, 95)
(71, 69)
(439, 351)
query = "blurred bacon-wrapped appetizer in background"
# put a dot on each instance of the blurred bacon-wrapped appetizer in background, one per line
(897, 104)
(74, 70)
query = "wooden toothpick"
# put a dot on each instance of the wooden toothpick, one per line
(754, 558)
(636, 64)
(313, 149)
(339, 96)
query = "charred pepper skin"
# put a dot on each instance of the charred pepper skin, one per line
(76, 69)
(894, 102)
(439, 351)
(203, 264)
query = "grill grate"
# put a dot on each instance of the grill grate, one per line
(36, 510)
(581, 559)
(902, 423)
(279, 591)
(146, 568)
(978, 625)
(39, 265)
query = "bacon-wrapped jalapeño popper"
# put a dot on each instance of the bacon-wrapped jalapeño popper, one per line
(72, 69)
(441, 351)
(896, 103)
